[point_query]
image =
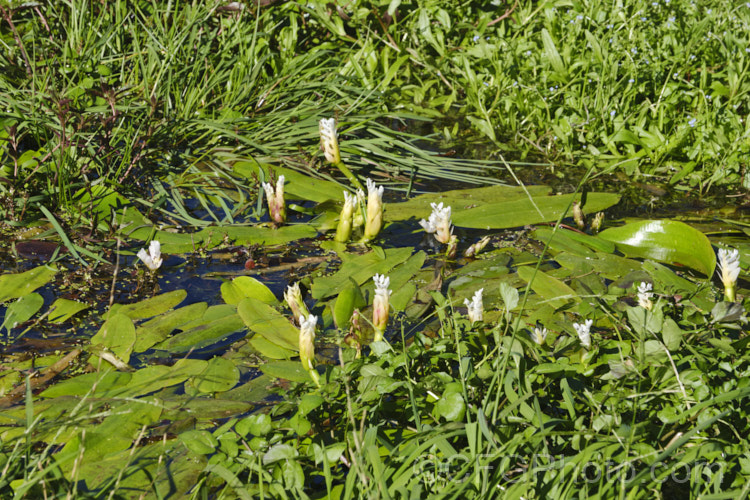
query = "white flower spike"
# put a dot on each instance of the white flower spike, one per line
(476, 307)
(644, 295)
(374, 220)
(329, 140)
(380, 305)
(152, 258)
(439, 223)
(293, 297)
(584, 332)
(729, 266)
(307, 345)
(275, 199)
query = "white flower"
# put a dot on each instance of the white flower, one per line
(380, 304)
(584, 332)
(476, 307)
(439, 222)
(329, 140)
(729, 265)
(152, 259)
(374, 221)
(539, 335)
(644, 295)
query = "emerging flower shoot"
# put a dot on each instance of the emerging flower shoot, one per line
(380, 305)
(152, 258)
(275, 198)
(374, 220)
(329, 140)
(729, 266)
(293, 297)
(344, 229)
(477, 247)
(307, 345)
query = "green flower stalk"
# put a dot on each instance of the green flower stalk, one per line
(380, 305)
(346, 219)
(729, 266)
(275, 199)
(374, 220)
(307, 345)
(329, 141)
(293, 297)
(152, 258)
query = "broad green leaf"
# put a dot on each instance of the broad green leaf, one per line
(199, 442)
(156, 377)
(289, 370)
(349, 299)
(154, 331)
(259, 424)
(264, 320)
(521, 212)
(96, 384)
(244, 286)
(202, 335)
(573, 241)
(220, 375)
(551, 52)
(151, 307)
(22, 310)
(63, 309)
(118, 335)
(419, 206)
(14, 286)
(270, 349)
(552, 290)
(359, 268)
(451, 407)
(667, 241)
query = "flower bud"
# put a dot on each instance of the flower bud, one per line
(729, 266)
(344, 229)
(329, 140)
(477, 247)
(276, 202)
(152, 258)
(380, 305)
(293, 297)
(374, 220)
(476, 307)
(307, 345)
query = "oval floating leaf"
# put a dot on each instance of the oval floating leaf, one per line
(13, 286)
(63, 309)
(667, 241)
(151, 307)
(244, 286)
(551, 289)
(22, 310)
(265, 320)
(521, 212)
(220, 375)
(118, 334)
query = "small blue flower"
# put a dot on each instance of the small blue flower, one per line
(476, 38)
(692, 122)
(634, 50)
(631, 80)
(612, 113)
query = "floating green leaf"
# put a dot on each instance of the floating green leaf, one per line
(22, 310)
(521, 212)
(151, 307)
(551, 289)
(63, 309)
(220, 375)
(117, 334)
(203, 335)
(13, 286)
(244, 286)
(263, 319)
(289, 370)
(667, 241)
(154, 331)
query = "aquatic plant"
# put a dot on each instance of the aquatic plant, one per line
(344, 227)
(380, 305)
(729, 267)
(475, 307)
(374, 219)
(584, 332)
(275, 199)
(439, 223)
(307, 345)
(644, 295)
(293, 298)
